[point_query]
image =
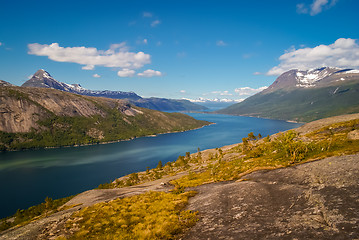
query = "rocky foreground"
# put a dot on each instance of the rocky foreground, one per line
(317, 199)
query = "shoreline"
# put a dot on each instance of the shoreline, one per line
(108, 142)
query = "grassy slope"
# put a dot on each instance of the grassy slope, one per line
(162, 215)
(61, 130)
(283, 150)
(303, 105)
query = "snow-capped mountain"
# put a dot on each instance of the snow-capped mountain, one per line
(304, 96)
(43, 79)
(312, 78)
(214, 104)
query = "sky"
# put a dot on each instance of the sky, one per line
(216, 49)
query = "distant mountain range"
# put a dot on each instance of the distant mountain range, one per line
(215, 103)
(43, 79)
(304, 96)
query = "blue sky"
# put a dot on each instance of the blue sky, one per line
(175, 49)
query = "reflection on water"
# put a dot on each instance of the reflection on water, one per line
(27, 177)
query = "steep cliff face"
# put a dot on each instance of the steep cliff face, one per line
(13, 118)
(39, 117)
(22, 108)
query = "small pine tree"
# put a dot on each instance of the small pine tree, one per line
(159, 165)
(48, 203)
(251, 136)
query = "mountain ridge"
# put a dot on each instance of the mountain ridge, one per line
(304, 96)
(43, 79)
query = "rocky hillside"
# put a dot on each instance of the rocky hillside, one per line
(300, 184)
(304, 96)
(43, 79)
(40, 117)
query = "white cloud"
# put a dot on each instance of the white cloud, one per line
(248, 91)
(96, 75)
(122, 47)
(155, 23)
(222, 93)
(150, 73)
(183, 91)
(344, 52)
(221, 43)
(117, 56)
(302, 9)
(257, 73)
(126, 73)
(88, 67)
(0, 43)
(145, 41)
(316, 7)
(147, 14)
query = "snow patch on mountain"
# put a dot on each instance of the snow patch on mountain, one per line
(352, 71)
(311, 77)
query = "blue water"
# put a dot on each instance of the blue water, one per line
(27, 177)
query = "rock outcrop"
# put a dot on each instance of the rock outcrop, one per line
(316, 200)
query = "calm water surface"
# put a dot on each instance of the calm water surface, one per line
(27, 177)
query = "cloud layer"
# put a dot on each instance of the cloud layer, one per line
(316, 7)
(118, 56)
(126, 73)
(248, 91)
(344, 53)
(150, 73)
(91, 56)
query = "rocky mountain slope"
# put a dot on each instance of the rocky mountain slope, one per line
(304, 96)
(43, 79)
(40, 117)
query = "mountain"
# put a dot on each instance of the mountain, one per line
(43, 79)
(4, 83)
(304, 96)
(45, 117)
(214, 104)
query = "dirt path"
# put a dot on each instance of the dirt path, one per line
(316, 200)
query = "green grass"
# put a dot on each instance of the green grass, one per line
(153, 215)
(284, 150)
